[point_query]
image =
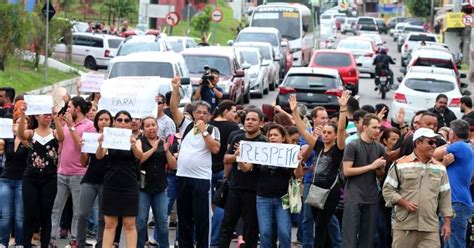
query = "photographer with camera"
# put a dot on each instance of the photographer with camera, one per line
(208, 90)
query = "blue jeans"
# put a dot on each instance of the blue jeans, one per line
(334, 231)
(94, 217)
(218, 213)
(171, 190)
(459, 226)
(159, 204)
(308, 221)
(270, 210)
(11, 209)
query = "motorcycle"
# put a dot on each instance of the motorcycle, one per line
(382, 78)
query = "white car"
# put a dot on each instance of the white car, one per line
(257, 71)
(364, 52)
(375, 37)
(179, 43)
(327, 37)
(93, 50)
(165, 65)
(395, 32)
(414, 39)
(268, 58)
(349, 26)
(419, 90)
(143, 43)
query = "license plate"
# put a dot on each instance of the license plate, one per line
(383, 78)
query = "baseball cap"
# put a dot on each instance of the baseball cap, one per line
(214, 70)
(424, 132)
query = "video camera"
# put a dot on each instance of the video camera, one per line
(207, 77)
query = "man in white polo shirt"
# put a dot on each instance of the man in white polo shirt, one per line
(194, 171)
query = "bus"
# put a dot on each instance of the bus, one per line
(295, 23)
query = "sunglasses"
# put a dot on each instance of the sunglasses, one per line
(159, 103)
(124, 120)
(430, 142)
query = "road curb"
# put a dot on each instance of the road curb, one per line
(69, 84)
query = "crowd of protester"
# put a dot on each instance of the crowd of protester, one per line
(390, 183)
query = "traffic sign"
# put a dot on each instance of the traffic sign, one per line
(52, 11)
(467, 20)
(217, 15)
(172, 18)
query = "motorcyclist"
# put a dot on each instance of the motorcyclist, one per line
(382, 62)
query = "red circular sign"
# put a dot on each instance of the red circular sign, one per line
(172, 18)
(467, 20)
(217, 15)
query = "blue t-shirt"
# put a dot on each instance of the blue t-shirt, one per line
(308, 176)
(209, 96)
(460, 172)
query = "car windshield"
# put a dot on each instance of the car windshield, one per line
(429, 85)
(258, 37)
(176, 45)
(354, 45)
(333, 59)
(286, 20)
(196, 63)
(434, 62)
(421, 37)
(81, 27)
(368, 28)
(325, 17)
(115, 43)
(142, 69)
(366, 21)
(250, 57)
(310, 81)
(134, 47)
(413, 29)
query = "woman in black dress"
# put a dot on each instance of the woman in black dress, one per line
(120, 187)
(40, 178)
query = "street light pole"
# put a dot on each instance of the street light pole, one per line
(47, 40)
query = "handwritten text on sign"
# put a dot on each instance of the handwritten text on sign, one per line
(90, 142)
(91, 82)
(264, 153)
(6, 131)
(137, 95)
(117, 138)
(38, 104)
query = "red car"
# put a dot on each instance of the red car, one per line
(343, 61)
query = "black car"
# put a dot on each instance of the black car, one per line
(312, 87)
(382, 26)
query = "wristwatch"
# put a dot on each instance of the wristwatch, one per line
(72, 129)
(205, 134)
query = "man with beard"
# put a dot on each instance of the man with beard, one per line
(363, 163)
(241, 199)
(7, 95)
(70, 171)
(442, 112)
(466, 108)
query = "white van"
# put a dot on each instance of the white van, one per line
(295, 23)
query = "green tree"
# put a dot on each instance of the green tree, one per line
(12, 32)
(419, 8)
(202, 21)
(58, 28)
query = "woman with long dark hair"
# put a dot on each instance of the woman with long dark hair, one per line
(120, 188)
(91, 184)
(40, 179)
(154, 162)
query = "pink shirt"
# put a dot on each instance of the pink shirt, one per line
(70, 157)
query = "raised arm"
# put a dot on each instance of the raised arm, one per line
(174, 102)
(100, 153)
(59, 130)
(23, 134)
(341, 125)
(310, 139)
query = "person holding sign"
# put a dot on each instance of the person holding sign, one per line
(11, 203)
(40, 178)
(241, 199)
(272, 185)
(120, 188)
(156, 157)
(194, 173)
(329, 146)
(91, 184)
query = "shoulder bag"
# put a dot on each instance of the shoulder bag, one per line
(317, 196)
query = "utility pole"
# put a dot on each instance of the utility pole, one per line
(47, 40)
(432, 14)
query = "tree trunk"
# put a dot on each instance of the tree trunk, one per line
(37, 59)
(2, 63)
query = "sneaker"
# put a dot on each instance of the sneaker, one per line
(152, 243)
(151, 223)
(89, 244)
(91, 234)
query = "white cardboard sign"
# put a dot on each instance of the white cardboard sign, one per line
(266, 153)
(6, 131)
(90, 142)
(38, 104)
(137, 95)
(117, 138)
(91, 82)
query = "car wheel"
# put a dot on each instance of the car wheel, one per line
(402, 62)
(247, 97)
(343, 32)
(90, 63)
(372, 75)
(265, 91)
(399, 48)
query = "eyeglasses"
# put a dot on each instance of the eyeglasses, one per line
(430, 142)
(159, 103)
(123, 120)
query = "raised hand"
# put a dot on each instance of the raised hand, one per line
(293, 103)
(176, 82)
(344, 98)
(401, 116)
(382, 112)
